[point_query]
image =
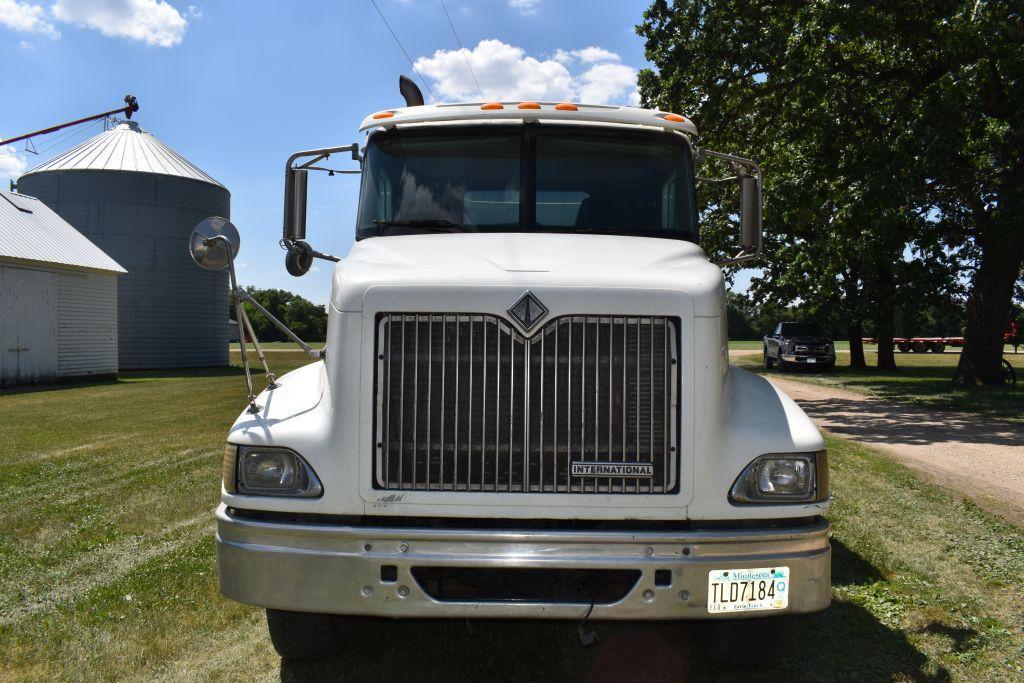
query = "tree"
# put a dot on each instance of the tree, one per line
(869, 119)
(302, 316)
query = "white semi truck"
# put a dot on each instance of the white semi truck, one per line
(525, 407)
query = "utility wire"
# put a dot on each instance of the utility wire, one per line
(402, 47)
(465, 56)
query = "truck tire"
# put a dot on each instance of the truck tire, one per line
(919, 347)
(768, 362)
(744, 642)
(937, 347)
(305, 636)
(904, 347)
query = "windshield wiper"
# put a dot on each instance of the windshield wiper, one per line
(434, 224)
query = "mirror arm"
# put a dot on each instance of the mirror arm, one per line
(744, 168)
(288, 245)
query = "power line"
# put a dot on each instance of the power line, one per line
(402, 47)
(465, 56)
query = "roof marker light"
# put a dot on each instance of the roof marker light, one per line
(384, 115)
(566, 106)
(529, 105)
(674, 117)
(487, 106)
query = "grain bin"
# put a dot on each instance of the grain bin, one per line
(138, 200)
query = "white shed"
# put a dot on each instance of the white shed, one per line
(58, 297)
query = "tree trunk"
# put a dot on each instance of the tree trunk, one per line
(854, 325)
(884, 313)
(855, 333)
(988, 309)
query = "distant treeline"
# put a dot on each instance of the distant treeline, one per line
(749, 319)
(302, 316)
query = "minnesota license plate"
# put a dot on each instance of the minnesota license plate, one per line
(748, 590)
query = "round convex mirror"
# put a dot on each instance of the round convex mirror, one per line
(208, 251)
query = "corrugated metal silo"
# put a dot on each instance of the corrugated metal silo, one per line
(138, 200)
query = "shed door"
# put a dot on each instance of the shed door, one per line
(28, 326)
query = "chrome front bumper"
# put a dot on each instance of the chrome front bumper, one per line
(336, 569)
(809, 359)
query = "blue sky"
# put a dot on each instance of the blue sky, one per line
(237, 86)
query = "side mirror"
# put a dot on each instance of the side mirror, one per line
(750, 214)
(296, 180)
(296, 184)
(748, 173)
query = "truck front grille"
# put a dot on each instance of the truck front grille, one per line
(587, 404)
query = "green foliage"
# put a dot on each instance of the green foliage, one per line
(302, 316)
(890, 134)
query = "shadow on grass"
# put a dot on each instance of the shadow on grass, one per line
(125, 377)
(873, 422)
(845, 641)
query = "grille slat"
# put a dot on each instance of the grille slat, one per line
(467, 403)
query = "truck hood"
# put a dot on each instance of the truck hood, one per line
(528, 259)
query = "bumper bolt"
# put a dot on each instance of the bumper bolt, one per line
(648, 550)
(403, 591)
(367, 547)
(404, 547)
(648, 595)
(686, 551)
(367, 591)
(684, 596)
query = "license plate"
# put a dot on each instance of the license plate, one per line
(812, 360)
(748, 590)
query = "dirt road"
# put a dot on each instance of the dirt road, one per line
(983, 459)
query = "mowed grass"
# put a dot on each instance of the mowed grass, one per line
(108, 568)
(921, 378)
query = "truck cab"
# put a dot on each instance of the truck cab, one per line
(525, 408)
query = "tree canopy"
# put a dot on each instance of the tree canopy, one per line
(876, 193)
(302, 316)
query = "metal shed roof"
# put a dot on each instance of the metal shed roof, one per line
(31, 232)
(126, 147)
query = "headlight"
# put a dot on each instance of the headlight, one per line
(783, 478)
(269, 471)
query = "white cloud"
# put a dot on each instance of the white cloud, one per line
(606, 82)
(525, 7)
(596, 54)
(25, 45)
(11, 165)
(27, 18)
(194, 12)
(152, 21)
(507, 73)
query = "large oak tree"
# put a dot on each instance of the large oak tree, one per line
(886, 131)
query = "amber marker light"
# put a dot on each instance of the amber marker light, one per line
(384, 115)
(566, 106)
(676, 118)
(529, 105)
(490, 106)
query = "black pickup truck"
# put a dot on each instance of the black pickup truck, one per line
(802, 344)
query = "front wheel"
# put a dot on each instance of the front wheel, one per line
(305, 636)
(768, 362)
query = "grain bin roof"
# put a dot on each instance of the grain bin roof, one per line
(31, 233)
(126, 147)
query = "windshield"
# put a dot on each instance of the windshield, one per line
(802, 330)
(527, 179)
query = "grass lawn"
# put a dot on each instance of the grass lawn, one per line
(758, 344)
(922, 379)
(276, 346)
(108, 567)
